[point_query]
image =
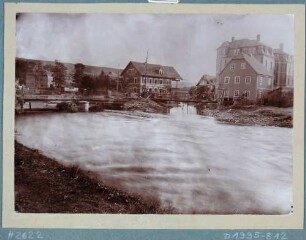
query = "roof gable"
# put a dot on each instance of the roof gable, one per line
(154, 70)
(257, 66)
(206, 80)
(242, 43)
(253, 62)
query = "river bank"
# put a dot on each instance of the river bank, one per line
(244, 115)
(253, 115)
(42, 185)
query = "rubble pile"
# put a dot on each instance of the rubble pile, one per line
(261, 116)
(144, 105)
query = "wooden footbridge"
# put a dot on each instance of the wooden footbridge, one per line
(99, 100)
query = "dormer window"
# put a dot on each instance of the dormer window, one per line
(161, 71)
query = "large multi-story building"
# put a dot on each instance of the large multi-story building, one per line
(259, 62)
(261, 52)
(244, 77)
(150, 78)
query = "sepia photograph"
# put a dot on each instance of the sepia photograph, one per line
(119, 113)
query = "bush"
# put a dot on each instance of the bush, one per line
(278, 98)
(67, 107)
(242, 103)
(96, 108)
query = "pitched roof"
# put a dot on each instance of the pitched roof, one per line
(206, 80)
(254, 63)
(153, 70)
(94, 70)
(244, 43)
(240, 43)
(112, 72)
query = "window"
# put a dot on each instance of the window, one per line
(226, 80)
(135, 79)
(225, 93)
(160, 81)
(236, 51)
(246, 93)
(248, 80)
(243, 65)
(155, 81)
(259, 94)
(143, 80)
(161, 72)
(150, 80)
(260, 81)
(237, 79)
(232, 66)
(236, 93)
(135, 90)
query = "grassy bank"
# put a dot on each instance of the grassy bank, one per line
(42, 185)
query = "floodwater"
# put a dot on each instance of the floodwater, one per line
(190, 162)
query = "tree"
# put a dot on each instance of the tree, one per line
(21, 70)
(40, 74)
(103, 81)
(78, 74)
(88, 82)
(59, 73)
(202, 93)
(33, 68)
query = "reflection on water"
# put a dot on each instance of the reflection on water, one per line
(190, 162)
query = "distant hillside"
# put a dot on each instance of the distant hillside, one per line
(90, 70)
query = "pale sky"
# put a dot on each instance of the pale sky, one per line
(186, 42)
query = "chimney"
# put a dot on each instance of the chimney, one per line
(281, 46)
(233, 39)
(258, 37)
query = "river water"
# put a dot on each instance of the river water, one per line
(190, 162)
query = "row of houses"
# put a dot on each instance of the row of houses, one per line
(32, 74)
(244, 68)
(136, 76)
